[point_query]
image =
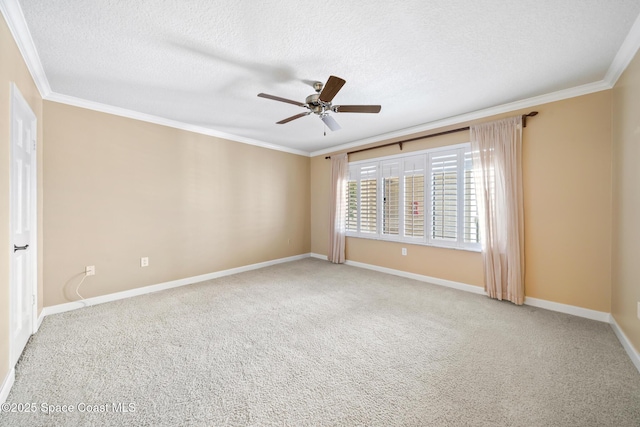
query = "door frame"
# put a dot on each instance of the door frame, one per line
(18, 99)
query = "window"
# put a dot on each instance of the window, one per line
(425, 198)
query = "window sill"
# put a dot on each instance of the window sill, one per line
(418, 243)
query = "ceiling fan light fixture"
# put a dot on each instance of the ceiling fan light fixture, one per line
(330, 122)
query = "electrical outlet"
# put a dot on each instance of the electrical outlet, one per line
(638, 309)
(144, 261)
(90, 270)
(404, 251)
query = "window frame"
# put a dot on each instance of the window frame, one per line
(426, 156)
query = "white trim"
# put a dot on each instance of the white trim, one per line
(631, 351)
(19, 30)
(475, 115)
(6, 385)
(18, 100)
(534, 302)
(462, 145)
(18, 26)
(39, 321)
(61, 308)
(600, 316)
(123, 112)
(420, 277)
(625, 54)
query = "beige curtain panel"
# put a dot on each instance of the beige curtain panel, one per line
(337, 226)
(497, 168)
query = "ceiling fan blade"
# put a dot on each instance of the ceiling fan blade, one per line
(330, 122)
(277, 98)
(297, 116)
(356, 108)
(331, 88)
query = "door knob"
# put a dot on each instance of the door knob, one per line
(19, 248)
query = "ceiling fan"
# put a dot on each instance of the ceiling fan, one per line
(320, 103)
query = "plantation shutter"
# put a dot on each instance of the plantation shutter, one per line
(425, 197)
(391, 198)
(352, 200)
(368, 199)
(443, 193)
(414, 208)
(471, 231)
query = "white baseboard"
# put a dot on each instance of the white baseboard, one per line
(631, 351)
(534, 302)
(436, 281)
(39, 321)
(587, 313)
(6, 385)
(61, 308)
(600, 316)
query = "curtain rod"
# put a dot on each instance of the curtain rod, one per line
(446, 132)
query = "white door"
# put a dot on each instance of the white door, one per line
(23, 221)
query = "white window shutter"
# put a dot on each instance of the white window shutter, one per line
(391, 198)
(351, 222)
(369, 199)
(425, 197)
(443, 196)
(414, 196)
(471, 230)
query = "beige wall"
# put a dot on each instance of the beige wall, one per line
(626, 202)
(13, 69)
(117, 189)
(567, 185)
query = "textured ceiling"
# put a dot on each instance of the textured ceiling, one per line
(203, 62)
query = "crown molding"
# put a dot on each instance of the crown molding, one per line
(18, 26)
(625, 54)
(475, 115)
(621, 61)
(136, 115)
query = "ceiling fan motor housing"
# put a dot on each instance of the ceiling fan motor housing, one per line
(316, 105)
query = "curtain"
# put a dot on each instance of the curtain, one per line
(337, 226)
(497, 168)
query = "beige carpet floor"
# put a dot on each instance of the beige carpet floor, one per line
(309, 343)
